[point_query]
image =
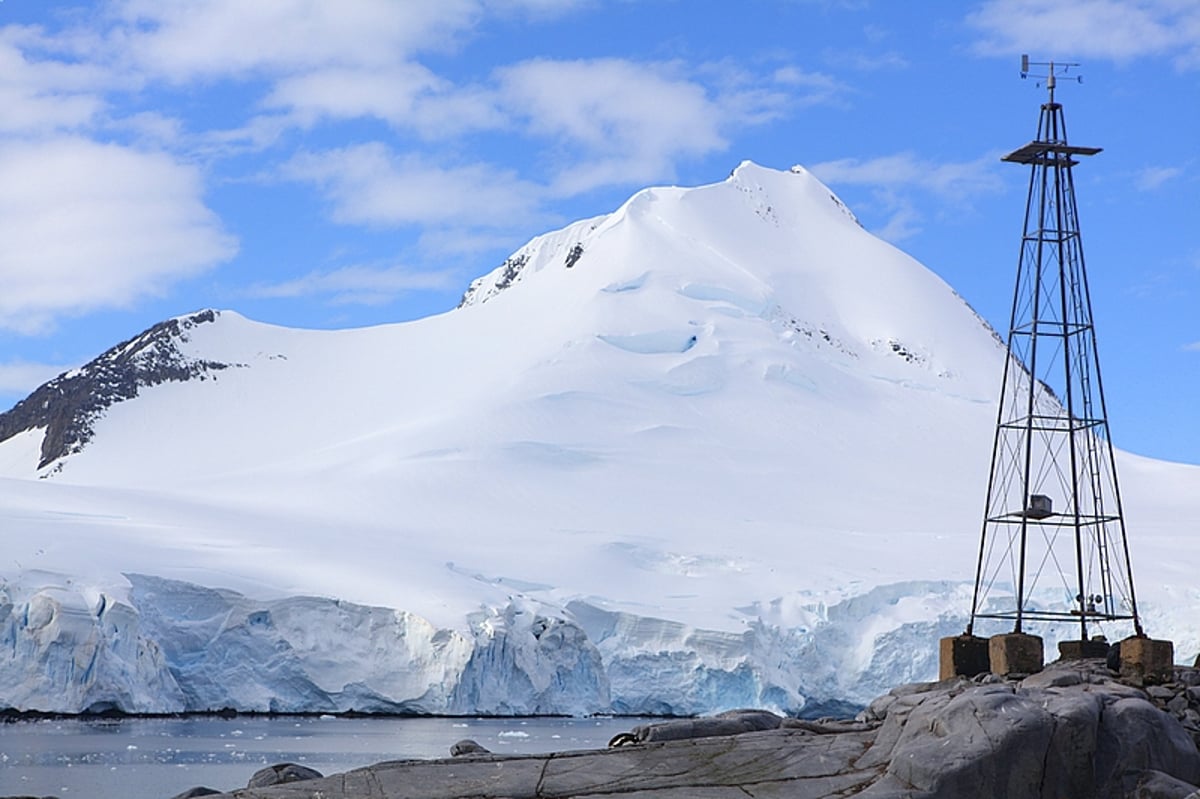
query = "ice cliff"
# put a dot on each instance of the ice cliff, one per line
(171, 646)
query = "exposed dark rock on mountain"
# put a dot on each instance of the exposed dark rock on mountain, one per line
(511, 267)
(69, 405)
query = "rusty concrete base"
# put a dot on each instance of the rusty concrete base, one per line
(962, 655)
(1016, 653)
(1146, 661)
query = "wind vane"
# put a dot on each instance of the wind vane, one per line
(1053, 546)
(1054, 71)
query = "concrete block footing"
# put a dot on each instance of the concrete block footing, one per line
(1016, 653)
(962, 655)
(1080, 650)
(1146, 661)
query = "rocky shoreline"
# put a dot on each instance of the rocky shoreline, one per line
(1076, 729)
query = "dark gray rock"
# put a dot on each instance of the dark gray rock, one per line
(467, 747)
(829, 726)
(1136, 736)
(192, 793)
(282, 773)
(985, 742)
(877, 710)
(1071, 754)
(1156, 785)
(1054, 678)
(734, 722)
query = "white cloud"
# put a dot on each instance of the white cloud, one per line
(903, 218)
(616, 121)
(406, 96)
(594, 101)
(745, 98)
(905, 170)
(894, 179)
(1152, 177)
(85, 226)
(320, 60)
(359, 284)
(234, 38)
(611, 121)
(344, 92)
(467, 243)
(44, 95)
(606, 121)
(1119, 30)
(369, 185)
(538, 8)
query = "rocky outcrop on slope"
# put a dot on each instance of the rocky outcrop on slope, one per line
(68, 406)
(1074, 730)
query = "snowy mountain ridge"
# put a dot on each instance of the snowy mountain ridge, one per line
(68, 406)
(719, 448)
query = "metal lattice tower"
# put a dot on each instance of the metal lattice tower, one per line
(1053, 527)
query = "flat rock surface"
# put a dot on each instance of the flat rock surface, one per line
(1074, 730)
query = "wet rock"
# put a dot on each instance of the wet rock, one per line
(282, 773)
(734, 722)
(1055, 678)
(829, 726)
(467, 747)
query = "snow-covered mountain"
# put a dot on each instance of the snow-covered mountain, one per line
(719, 448)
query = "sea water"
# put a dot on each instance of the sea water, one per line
(136, 758)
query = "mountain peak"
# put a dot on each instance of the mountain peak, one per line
(777, 198)
(68, 406)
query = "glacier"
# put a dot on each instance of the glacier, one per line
(719, 448)
(174, 647)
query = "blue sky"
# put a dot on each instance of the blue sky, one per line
(321, 164)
